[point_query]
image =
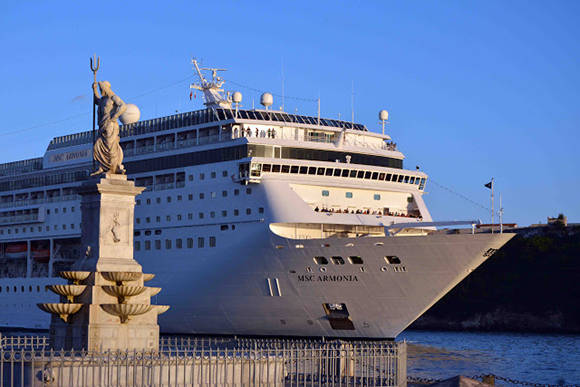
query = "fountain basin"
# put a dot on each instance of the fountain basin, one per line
(123, 292)
(124, 311)
(148, 277)
(121, 276)
(70, 291)
(63, 310)
(75, 276)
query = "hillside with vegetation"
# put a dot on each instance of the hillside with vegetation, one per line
(531, 285)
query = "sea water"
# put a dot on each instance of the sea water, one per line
(537, 358)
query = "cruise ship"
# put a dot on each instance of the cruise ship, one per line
(255, 222)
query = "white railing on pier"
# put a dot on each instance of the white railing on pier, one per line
(208, 361)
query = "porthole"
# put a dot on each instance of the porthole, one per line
(323, 269)
(384, 268)
(355, 260)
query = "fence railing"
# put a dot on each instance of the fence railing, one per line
(200, 361)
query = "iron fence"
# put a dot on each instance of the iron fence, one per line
(207, 361)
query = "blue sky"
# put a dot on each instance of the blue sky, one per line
(474, 89)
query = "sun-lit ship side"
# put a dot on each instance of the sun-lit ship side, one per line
(256, 222)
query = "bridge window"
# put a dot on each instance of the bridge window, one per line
(325, 192)
(294, 169)
(348, 195)
(321, 260)
(266, 168)
(303, 170)
(312, 171)
(412, 181)
(377, 196)
(375, 176)
(395, 177)
(285, 168)
(401, 177)
(345, 173)
(360, 174)
(329, 171)
(407, 179)
(275, 168)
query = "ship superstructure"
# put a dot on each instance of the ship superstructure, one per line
(257, 222)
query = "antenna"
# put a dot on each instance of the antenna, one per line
(384, 117)
(352, 106)
(282, 60)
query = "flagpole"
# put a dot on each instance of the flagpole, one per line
(500, 215)
(492, 184)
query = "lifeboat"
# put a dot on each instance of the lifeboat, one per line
(41, 254)
(16, 250)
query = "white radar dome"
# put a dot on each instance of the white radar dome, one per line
(267, 100)
(384, 115)
(131, 114)
(237, 97)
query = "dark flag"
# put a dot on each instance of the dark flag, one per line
(488, 185)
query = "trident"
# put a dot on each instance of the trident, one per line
(94, 69)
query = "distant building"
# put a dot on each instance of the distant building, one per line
(560, 220)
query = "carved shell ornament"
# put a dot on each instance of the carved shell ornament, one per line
(115, 228)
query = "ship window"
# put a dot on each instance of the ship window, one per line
(236, 212)
(285, 168)
(417, 180)
(266, 167)
(329, 171)
(248, 191)
(168, 218)
(294, 169)
(189, 243)
(325, 192)
(224, 213)
(355, 260)
(392, 259)
(353, 173)
(147, 232)
(190, 177)
(303, 170)
(360, 174)
(178, 216)
(388, 178)
(276, 168)
(212, 242)
(345, 173)
(377, 196)
(212, 214)
(200, 215)
(381, 176)
(178, 243)
(148, 201)
(312, 171)
(224, 193)
(213, 175)
(147, 245)
(200, 242)
(157, 244)
(213, 195)
(201, 195)
(401, 177)
(248, 211)
(224, 173)
(158, 219)
(336, 172)
(224, 227)
(406, 179)
(348, 195)
(137, 245)
(169, 199)
(236, 192)
(422, 185)
(375, 176)
(261, 210)
(320, 260)
(190, 216)
(201, 176)
(179, 197)
(367, 175)
(337, 260)
(412, 180)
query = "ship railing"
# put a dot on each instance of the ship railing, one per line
(210, 361)
(27, 202)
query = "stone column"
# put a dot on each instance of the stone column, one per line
(106, 306)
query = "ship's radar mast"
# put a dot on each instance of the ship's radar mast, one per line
(212, 91)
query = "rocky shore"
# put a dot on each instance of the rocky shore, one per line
(531, 285)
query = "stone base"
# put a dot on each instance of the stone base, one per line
(104, 337)
(158, 370)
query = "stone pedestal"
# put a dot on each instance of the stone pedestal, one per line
(106, 305)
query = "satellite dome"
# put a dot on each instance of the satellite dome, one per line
(237, 97)
(130, 115)
(383, 115)
(267, 100)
